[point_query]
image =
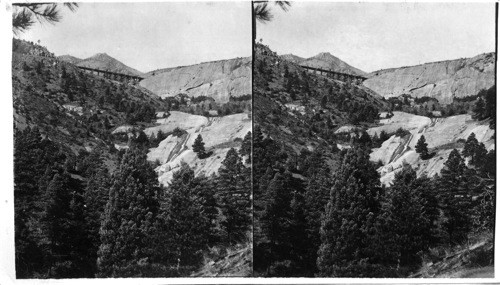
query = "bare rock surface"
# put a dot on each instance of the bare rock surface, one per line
(442, 80)
(442, 136)
(219, 135)
(216, 79)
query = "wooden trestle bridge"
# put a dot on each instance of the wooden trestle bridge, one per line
(351, 78)
(127, 78)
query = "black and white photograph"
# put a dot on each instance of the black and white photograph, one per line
(374, 139)
(132, 139)
(248, 142)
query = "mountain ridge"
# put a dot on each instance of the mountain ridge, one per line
(325, 60)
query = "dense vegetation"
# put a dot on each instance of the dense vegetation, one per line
(320, 211)
(84, 209)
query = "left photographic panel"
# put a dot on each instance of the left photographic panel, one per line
(132, 139)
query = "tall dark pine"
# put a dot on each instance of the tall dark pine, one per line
(199, 146)
(128, 218)
(456, 198)
(234, 194)
(351, 210)
(421, 147)
(184, 227)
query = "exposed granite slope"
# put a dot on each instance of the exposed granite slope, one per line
(442, 80)
(216, 79)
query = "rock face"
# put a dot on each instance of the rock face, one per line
(219, 135)
(441, 134)
(442, 80)
(326, 61)
(217, 79)
(105, 62)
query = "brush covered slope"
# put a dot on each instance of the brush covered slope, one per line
(70, 106)
(325, 60)
(303, 109)
(219, 80)
(443, 80)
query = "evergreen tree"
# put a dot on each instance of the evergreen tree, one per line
(234, 194)
(479, 110)
(351, 211)
(183, 229)
(246, 146)
(421, 147)
(456, 198)
(470, 146)
(128, 218)
(199, 146)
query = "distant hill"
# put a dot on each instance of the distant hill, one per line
(325, 60)
(219, 80)
(105, 62)
(70, 59)
(443, 80)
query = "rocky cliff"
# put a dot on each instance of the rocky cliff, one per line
(217, 79)
(219, 134)
(442, 136)
(442, 80)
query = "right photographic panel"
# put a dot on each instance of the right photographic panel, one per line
(374, 139)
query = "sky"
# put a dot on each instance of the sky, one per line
(373, 36)
(149, 36)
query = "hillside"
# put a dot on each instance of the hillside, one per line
(326, 61)
(70, 106)
(70, 59)
(442, 136)
(302, 109)
(103, 61)
(444, 80)
(219, 80)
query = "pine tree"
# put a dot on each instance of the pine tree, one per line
(470, 145)
(421, 147)
(184, 228)
(352, 209)
(456, 198)
(234, 195)
(479, 109)
(128, 219)
(246, 146)
(407, 222)
(199, 146)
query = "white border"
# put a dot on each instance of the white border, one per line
(7, 272)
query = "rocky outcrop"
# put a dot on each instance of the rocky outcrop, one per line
(441, 134)
(326, 61)
(219, 134)
(442, 80)
(217, 79)
(105, 62)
